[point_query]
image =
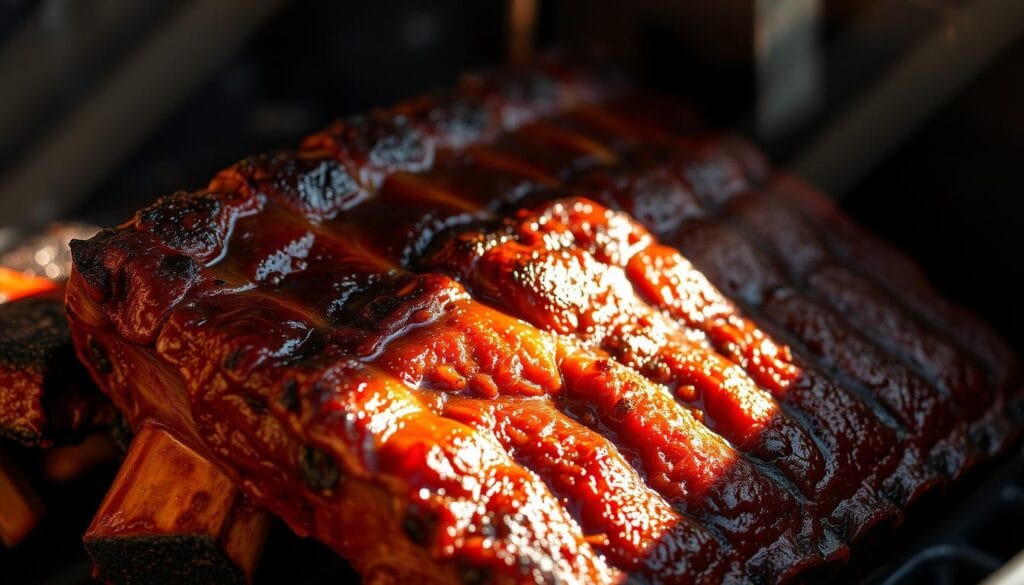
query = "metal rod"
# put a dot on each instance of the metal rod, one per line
(1009, 574)
(910, 94)
(521, 31)
(139, 93)
(49, 50)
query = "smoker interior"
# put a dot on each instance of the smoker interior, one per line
(947, 194)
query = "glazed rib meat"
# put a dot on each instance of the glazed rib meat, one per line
(542, 328)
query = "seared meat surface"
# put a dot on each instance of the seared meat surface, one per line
(46, 396)
(542, 329)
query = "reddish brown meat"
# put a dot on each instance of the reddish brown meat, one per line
(46, 397)
(572, 268)
(376, 346)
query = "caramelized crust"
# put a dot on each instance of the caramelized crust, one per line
(430, 339)
(46, 397)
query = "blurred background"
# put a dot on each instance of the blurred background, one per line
(910, 112)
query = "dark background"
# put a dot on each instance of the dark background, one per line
(951, 195)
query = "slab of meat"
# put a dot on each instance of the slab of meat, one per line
(435, 339)
(46, 396)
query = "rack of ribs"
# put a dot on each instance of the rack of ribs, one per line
(542, 328)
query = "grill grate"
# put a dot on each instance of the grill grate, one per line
(982, 533)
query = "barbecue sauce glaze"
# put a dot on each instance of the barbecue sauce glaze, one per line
(435, 339)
